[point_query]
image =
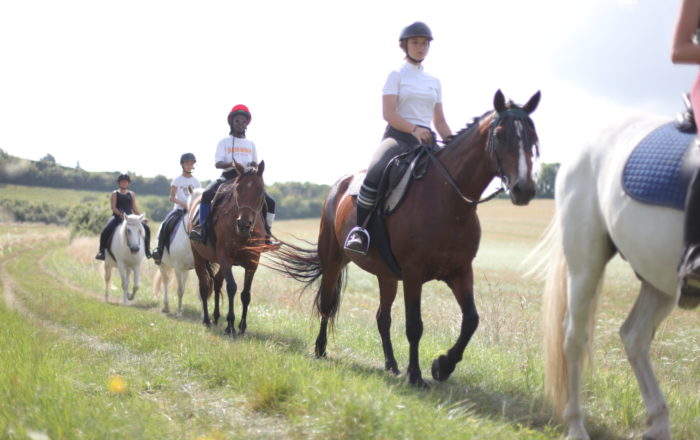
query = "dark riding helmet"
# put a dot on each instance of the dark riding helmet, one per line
(240, 109)
(417, 29)
(187, 156)
(123, 177)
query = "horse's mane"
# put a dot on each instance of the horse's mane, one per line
(469, 128)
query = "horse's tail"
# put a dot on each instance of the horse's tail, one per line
(555, 307)
(304, 265)
(158, 282)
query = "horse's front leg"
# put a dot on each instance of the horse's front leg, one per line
(165, 278)
(387, 294)
(124, 274)
(230, 292)
(108, 279)
(463, 289)
(137, 273)
(414, 329)
(218, 282)
(245, 296)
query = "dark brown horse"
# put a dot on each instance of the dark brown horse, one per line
(434, 234)
(239, 239)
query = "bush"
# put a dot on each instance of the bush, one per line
(88, 218)
(23, 211)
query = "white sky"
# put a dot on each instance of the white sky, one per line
(131, 85)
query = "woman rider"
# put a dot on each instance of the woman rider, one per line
(411, 100)
(179, 194)
(233, 147)
(123, 203)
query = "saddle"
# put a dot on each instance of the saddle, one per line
(660, 167)
(394, 184)
(170, 227)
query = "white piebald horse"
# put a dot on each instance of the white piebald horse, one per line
(178, 258)
(126, 252)
(594, 220)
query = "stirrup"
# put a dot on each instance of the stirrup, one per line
(197, 234)
(357, 241)
(100, 256)
(157, 256)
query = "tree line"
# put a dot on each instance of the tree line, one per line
(295, 200)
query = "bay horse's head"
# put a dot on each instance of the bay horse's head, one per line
(512, 142)
(249, 196)
(133, 232)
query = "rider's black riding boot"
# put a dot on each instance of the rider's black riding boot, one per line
(147, 240)
(198, 232)
(689, 269)
(103, 245)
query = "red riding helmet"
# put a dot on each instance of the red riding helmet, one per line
(240, 109)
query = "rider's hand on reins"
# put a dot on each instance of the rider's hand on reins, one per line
(423, 135)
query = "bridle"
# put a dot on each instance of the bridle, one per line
(515, 114)
(256, 210)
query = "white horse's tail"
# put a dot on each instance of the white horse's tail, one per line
(158, 282)
(554, 308)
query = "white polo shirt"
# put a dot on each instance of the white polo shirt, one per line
(417, 92)
(230, 148)
(181, 183)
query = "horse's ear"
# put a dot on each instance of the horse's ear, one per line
(499, 101)
(532, 103)
(141, 217)
(240, 168)
(261, 167)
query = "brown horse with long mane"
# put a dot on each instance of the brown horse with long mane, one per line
(239, 238)
(434, 233)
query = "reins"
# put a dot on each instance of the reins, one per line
(490, 146)
(450, 180)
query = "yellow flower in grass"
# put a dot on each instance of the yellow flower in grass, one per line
(116, 384)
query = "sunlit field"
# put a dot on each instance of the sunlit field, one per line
(75, 367)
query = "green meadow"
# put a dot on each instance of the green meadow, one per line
(74, 366)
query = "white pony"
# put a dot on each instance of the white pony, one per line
(177, 257)
(594, 219)
(126, 252)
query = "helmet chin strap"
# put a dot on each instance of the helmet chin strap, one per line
(413, 59)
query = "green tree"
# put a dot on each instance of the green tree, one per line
(546, 178)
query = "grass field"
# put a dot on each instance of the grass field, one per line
(75, 367)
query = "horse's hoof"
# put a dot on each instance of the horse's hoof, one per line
(418, 382)
(242, 329)
(320, 352)
(442, 368)
(165, 309)
(230, 331)
(392, 367)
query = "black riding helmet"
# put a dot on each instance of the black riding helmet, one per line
(123, 177)
(417, 29)
(187, 156)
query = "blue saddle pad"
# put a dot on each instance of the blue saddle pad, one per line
(652, 173)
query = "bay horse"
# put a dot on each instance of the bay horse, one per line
(434, 233)
(594, 220)
(239, 235)
(177, 257)
(126, 251)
